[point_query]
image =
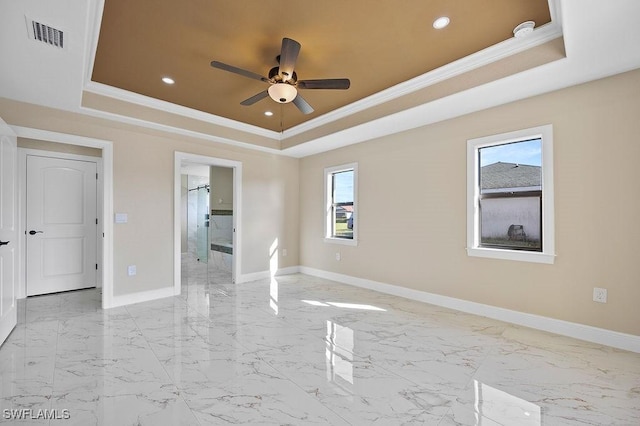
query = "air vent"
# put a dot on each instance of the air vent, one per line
(45, 33)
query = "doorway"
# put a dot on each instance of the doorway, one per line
(207, 206)
(61, 222)
(45, 140)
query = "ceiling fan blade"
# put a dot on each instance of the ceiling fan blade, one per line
(288, 57)
(328, 83)
(255, 98)
(302, 105)
(237, 70)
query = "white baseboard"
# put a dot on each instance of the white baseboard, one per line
(143, 296)
(588, 333)
(146, 296)
(262, 275)
(254, 276)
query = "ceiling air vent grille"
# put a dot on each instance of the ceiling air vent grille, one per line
(45, 33)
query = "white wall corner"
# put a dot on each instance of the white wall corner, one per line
(263, 275)
(142, 296)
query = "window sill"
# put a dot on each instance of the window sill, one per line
(517, 255)
(342, 241)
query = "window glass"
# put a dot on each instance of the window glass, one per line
(343, 197)
(510, 195)
(341, 208)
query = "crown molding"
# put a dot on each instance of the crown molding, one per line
(176, 130)
(494, 53)
(146, 101)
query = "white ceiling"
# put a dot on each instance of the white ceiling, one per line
(601, 39)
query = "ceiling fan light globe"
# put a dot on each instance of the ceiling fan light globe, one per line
(282, 93)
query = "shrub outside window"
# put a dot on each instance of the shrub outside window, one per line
(510, 196)
(341, 204)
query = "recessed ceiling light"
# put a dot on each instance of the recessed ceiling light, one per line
(441, 22)
(168, 80)
(268, 113)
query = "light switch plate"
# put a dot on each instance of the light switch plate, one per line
(121, 218)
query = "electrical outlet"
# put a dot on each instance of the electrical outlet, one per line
(337, 255)
(284, 252)
(132, 270)
(600, 295)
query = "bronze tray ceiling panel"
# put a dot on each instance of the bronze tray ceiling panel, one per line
(375, 44)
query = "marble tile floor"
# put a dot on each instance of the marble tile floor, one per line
(301, 350)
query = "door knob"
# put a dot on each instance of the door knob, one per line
(4, 243)
(32, 232)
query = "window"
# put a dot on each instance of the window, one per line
(341, 205)
(510, 196)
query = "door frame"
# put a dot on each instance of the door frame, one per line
(105, 200)
(181, 157)
(9, 317)
(23, 154)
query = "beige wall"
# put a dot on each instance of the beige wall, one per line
(412, 211)
(59, 147)
(412, 208)
(143, 187)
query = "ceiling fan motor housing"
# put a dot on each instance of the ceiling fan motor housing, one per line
(274, 76)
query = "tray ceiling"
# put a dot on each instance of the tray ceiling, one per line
(376, 45)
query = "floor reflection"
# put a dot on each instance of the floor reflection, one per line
(339, 354)
(344, 305)
(333, 354)
(273, 295)
(504, 408)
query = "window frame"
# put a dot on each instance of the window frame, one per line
(474, 249)
(328, 204)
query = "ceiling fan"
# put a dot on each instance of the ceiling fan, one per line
(283, 80)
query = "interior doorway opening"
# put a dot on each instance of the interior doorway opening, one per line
(105, 202)
(207, 208)
(207, 225)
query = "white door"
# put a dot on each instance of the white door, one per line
(61, 225)
(8, 231)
